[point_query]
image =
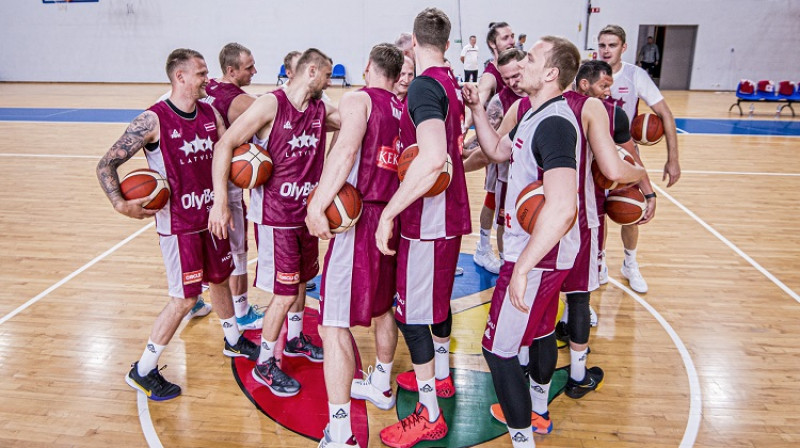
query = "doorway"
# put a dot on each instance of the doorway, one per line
(676, 50)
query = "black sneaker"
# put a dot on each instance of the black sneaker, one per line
(302, 346)
(244, 348)
(592, 381)
(153, 384)
(310, 286)
(270, 375)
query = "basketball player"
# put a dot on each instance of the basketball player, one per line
(358, 282)
(177, 135)
(291, 124)
(430, 230)
(403, 42)
(228, 98)
(630, 84)
(406, 76)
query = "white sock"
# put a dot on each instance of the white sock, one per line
(524, 355)
(630, 257)
(427, 396)
(382, 375)
(149, 359)
(565, 316)
(441, 359)
(522, 438)
(240, 305)
(539, 395)
(577, 366)
(266, 351)
(295, 325)
(484, 243)
(230, 329)
(339, 418)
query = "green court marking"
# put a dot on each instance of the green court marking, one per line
(467, 413)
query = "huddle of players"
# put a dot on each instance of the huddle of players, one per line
(364, 266)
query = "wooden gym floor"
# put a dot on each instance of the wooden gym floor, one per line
(710, 356)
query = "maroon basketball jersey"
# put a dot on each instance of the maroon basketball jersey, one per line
(183, 156)
(492, 70)
(600, 194)
(508, 98)
(587, 200)
(447, 214)
(375, 171)
(296, 144)
(221, 95)
(523, 107)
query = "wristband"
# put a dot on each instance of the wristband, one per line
(650, 196)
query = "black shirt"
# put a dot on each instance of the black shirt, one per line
(426, 99)
(554, 141)
(622, 128)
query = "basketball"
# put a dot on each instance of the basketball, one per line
(251, 166)
(145, 183)
(344, 211)
(647, 129)
(442, 182)
(602, 181)
(529, 203)
(626, 205)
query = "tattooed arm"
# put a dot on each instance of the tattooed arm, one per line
(477, 159)
(142, 130)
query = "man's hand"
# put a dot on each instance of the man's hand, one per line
(383, 234)
(470, 95)
(318, 225)
(219, 221)
(672, 169)
(516, 290)
(649, 213)
(134, 208)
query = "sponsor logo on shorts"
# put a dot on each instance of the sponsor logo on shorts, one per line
(288, 278)
(387, 156)
(192, 277)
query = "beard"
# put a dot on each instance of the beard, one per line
(316, 95)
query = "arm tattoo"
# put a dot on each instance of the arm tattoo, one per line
(495, 112)
(472, 143)
(131, 141)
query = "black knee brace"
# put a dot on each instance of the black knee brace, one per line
(512, 392)
(442, 329)
(579, 320)
(419, 341)
(544, 356)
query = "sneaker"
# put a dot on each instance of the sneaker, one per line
(153, 384)
(253, 320)
(244, 348)
(200, 309)
(459, 271)
(592, 317)
(310, 286)
(327, 442)
(562, 336)
(635, 279)
(486, 259)
(363, 389)
(603, 276)
(270, 375)
(444, 388)
(414, 429)
(541, 423)
(592, 381)
(302, 346)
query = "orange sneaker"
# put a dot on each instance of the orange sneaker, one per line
(414, 429)
(541, 423)
(444, 388)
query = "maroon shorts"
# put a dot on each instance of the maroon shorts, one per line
(507, 328)
(584, 275)
(425, 274)
(192, 259)
(286, 258)
(358, 281)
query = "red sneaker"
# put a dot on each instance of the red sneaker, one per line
(414, 429)
(541, 423)
(444, 388)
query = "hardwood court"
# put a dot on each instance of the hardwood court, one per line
(63, 358)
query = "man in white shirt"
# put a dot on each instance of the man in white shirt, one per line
(469, 56)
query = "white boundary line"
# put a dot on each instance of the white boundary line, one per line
(733, 247)
(695, 393)
(732, 173)
(58, 284)
(148, 429)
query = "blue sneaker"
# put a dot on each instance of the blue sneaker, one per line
(250, 321)
(200, 309)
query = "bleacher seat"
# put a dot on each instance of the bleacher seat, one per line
(765, 91)
(340, 73)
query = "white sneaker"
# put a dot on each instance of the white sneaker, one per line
(603, 277)
(592, 317)
(486, 259)
(363, 389)
(200, 309)
(326, 441)
(635, 279)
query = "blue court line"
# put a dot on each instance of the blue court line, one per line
(738, 127)
(68, 115)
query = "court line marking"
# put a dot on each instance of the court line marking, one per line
(148, 429)
(60, 156)
(74, 274)
(733, 247)
(732, 173)
(695, 393)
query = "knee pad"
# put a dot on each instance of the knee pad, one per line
(544, 356)
(419, 341)
(443, 328)
(240, 264)
(579, 317)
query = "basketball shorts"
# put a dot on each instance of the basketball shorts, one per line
(192, 259)
(425, 274)
(238, 236)
(286, 258)
(584, 275)
(508, 328)
(358, 281)
(491, 177)
(500, 203)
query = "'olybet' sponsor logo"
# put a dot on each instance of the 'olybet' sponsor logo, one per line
(194, 200)
(293, 190)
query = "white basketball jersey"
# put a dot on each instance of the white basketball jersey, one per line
(631, 82)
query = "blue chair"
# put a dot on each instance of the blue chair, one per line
(339, 73)
(282, 75)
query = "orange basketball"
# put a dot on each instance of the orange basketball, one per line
(251, 166)
(344, 211)
(602, 181)
(647, 129)
(529, 203)
(442, 182)
(146, 183)
(626, 205)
